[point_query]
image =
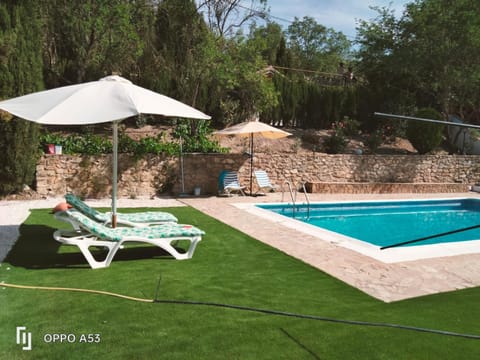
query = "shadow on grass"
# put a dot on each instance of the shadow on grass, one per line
(36, 249)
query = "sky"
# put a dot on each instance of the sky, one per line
(341, 15)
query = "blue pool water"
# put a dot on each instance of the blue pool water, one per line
(389, 222)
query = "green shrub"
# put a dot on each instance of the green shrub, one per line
(195, 136)
(155, 145)
(126, 144)
(425, 136)
(374, 140)
(91, 144)
(350, 126)
(88, 144)
(337, 142)
(51, 138)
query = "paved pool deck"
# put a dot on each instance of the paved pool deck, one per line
(385, 281)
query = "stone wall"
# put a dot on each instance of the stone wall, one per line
(91, 176)
(372, 168)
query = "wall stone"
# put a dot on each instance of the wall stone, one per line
(91, 176)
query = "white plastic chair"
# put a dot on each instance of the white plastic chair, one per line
(230, 183)
(263, 182)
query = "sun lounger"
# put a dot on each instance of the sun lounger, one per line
(229, 184)
(263, 182)
(139, 219)
(93, 234)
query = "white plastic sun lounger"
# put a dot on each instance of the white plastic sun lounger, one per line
(230, 183)
(138, 219)
(263, 182)
(91, 233)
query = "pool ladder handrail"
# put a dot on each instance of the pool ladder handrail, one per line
(293, 196)
(307, 199)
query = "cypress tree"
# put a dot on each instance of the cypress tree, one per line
(20, 73)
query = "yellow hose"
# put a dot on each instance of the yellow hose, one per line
(77, 290)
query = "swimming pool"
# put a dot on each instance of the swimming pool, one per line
(367, 226)
(394, 222)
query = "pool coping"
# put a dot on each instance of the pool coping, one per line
(391, 255)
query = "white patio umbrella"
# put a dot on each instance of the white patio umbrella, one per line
(110, 99)
(253, 128)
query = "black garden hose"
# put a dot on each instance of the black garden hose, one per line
(429, 237)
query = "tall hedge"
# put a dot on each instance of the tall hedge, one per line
(19, 144)
(310, 104)
(20, 73)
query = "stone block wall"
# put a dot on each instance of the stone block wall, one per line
(91, 176)
(371, 168)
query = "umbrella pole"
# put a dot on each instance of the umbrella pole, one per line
(182, 173)
(181, 164)
(182, 169)
(251, 164)
(114, 174)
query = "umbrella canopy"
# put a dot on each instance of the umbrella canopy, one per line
(254, 127)
(109, 99)
(251, 129)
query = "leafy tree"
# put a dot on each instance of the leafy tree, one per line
(198, 142)
(427, 57)
(284, 55)
(21, 73)
(444, 42)
(254, 90)
(86, 40)
(218, 75)
(265, 41)
(184, 46)
(315, 46)
(226, 16)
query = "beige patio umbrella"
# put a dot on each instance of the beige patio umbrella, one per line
(253, 128)
(110, 99)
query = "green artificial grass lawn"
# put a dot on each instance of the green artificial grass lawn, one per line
(227, 267)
